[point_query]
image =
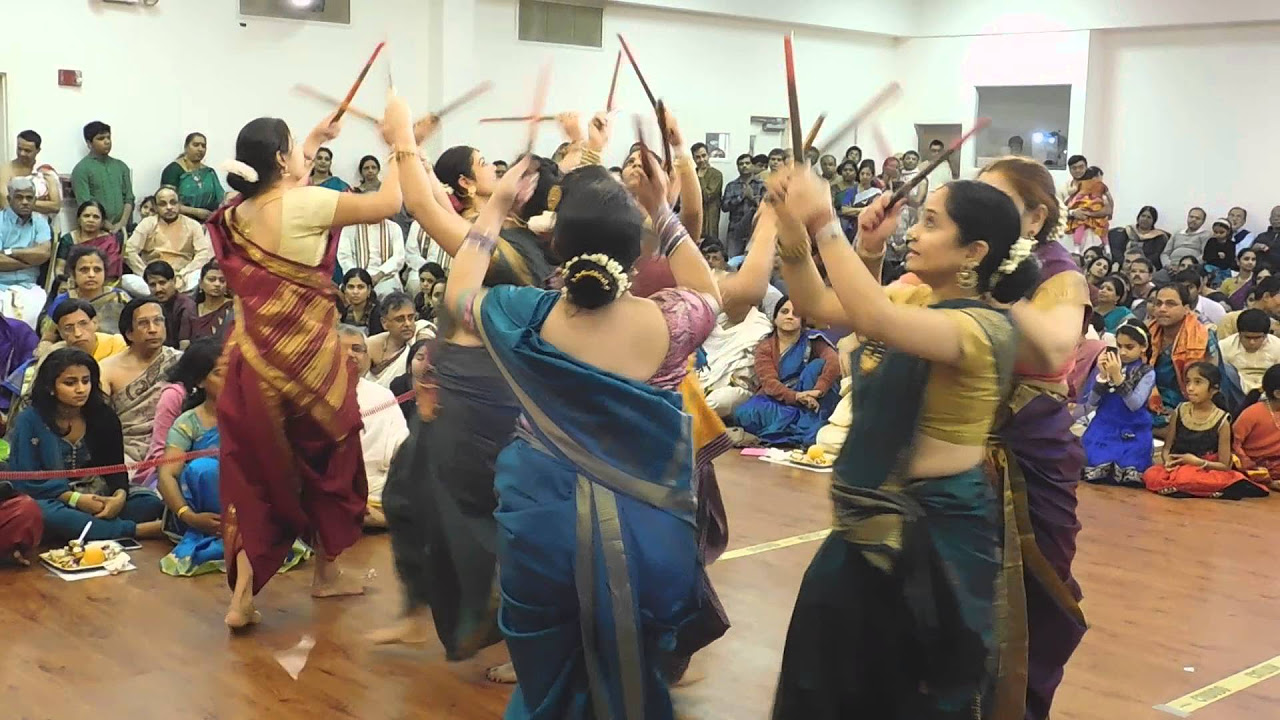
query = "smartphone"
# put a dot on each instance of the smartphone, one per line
(127, 543)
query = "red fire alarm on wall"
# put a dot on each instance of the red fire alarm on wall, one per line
(70, 78)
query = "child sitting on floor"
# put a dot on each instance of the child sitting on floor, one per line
(1197, 456)
(1257, 431)
(1117, 444)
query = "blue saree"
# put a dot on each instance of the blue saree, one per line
(777, 423)
(597, 545)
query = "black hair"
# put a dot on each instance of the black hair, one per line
(1155, 214)
(1091, 173)
(845, 164)
(698, 146)
(44, 396)
(148, 199)
(1184, 292)
(1119, 285)
(130, 309)
(1254, 321)
(911, 152)
(504, 164)
(851, 148)
(1138, 333)
(87, 203)
(982, 212)
(777, 308)
(365, 159)
(1189, 276)
(743, 155)
(394, 299)
(160, 268)
(454, 164)
(1144, 260)
(1245, 250)
(1270, 389)
(615, 169)
(777, 152)
(32, 137)
(549, 176)
(193, 136)
(1077, 159)
(711, 246)
(596, 216)
(1097, 322)
(937, 142)
(326, 151)
(193, 366)
(257, 146)
(867, 162)
(208, 268)
(759, 159)
(1213, 375)
(80, 252)
(94, 129)
(435, 269)
(366, 278)
(1270, 285)
(71, 305)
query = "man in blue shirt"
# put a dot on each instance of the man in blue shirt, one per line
(25, 244)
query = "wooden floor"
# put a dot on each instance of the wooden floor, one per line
(1180, 594)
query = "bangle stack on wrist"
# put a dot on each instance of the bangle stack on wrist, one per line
(73, 500)
(591, 157)
(480, 241)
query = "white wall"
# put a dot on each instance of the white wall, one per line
(155, 74)
(978, 17)
(1185, 117)
(713, 72)
(939, 77)
(867, 16)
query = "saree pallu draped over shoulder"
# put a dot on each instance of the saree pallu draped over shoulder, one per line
(597, 542)
(894, 616)
(291, 462)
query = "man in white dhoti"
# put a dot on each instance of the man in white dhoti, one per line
(377, 248)
(420, 249)
(26, 242)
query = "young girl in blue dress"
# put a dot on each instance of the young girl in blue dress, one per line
(1118, 442)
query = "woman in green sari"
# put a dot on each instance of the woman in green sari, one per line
(894, 616)
(199, 192)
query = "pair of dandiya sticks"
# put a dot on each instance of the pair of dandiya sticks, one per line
(800, 144)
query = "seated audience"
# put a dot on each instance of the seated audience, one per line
(1178, 341)
(1095, 270)
(27, 244)
(377, 248)
(1118, 442)
(87, 265)
(419, 372)
(170, 237)
(197, 186)
(147, 207)
(358, 304)
(76, 323)
(1208, 311)
(1196, 458)
(728, 374)
(70, 426)
(181, 382)
(429, 302)
(214, 308)
(1140, 285)
(384, 430)
(1257, 432)
(179, 309)
(852, 200)
(132, 379)
(90, 233)
(1112, 301)
(797, 371)
(1246, 261)
(1264, 296)
(1220, 251)
(831, 436)
(1268, 241)
(1187, 243)
(421, 252)
(18, 343)
(1146, 238)
(1252, 349)
(21, 525)
(1237, 216)
(389, 350)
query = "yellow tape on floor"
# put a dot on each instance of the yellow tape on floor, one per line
(775, 545)
(1187, 704)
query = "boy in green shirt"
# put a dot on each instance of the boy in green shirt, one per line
(98, 176)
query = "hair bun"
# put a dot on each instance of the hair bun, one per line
(593, 281)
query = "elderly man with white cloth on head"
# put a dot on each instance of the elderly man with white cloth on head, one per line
(26, 241)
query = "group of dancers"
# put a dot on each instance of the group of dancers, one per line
(557, 491)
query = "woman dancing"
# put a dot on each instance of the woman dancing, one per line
(291, 464)
(894, 616)
(590, 605)
(1039, 462)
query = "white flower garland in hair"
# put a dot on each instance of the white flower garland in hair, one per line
(1020, 251)
(237, 167)
(621, 281)
(1061, 228)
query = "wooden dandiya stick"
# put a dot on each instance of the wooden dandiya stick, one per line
(662, 132)
(793, 100)
(327, 99)
(639, 75)
(464, 98)
(887, 93)
(813, 131)
(613, 84)
(355, 87)
(911, 184)
(518, 118)
(539, 99)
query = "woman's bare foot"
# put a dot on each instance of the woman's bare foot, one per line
(241, 613)
(412, 629)
(330, 581)
(503, 674)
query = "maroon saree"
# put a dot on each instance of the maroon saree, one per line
(291, 462)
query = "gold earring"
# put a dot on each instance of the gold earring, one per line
(967, 278)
